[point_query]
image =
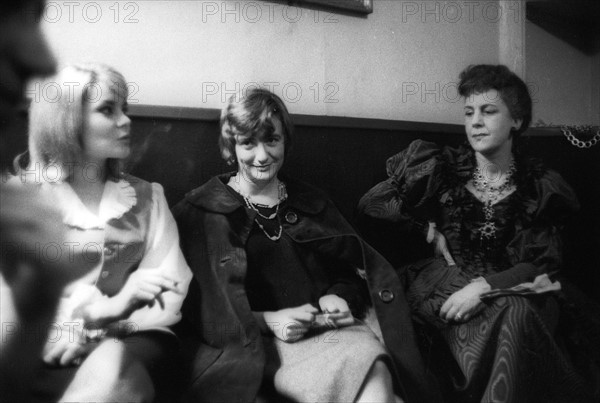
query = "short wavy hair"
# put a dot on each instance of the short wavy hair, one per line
(56, 117)
(513, 91)
(253, 115)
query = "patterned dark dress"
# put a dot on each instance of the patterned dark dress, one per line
(506, 353)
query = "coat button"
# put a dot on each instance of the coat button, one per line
(291, 217)
(386, 296)
(104, 274)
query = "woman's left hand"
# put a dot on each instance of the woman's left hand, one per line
(69, 349)
(464, 303)
(333, 303)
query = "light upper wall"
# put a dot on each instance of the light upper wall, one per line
(401, 62)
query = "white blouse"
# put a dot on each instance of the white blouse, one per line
(86, 237)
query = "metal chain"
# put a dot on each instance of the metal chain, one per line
(580, 143)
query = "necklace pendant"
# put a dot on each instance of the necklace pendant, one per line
(489, 195)
(487, 231)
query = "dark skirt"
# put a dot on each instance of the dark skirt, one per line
(507, 353)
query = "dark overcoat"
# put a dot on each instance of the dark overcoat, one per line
(229, 357)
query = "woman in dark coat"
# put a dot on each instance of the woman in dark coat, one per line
(275, 263)
(494, 216)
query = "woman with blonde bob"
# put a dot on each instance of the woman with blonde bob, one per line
(111, 331)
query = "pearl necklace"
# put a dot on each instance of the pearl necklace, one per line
(254, 206)
(489, 195)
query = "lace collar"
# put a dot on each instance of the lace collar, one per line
(117, 199)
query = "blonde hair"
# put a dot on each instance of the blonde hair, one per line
(56, 122)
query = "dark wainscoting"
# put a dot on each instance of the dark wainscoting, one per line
(177, 147)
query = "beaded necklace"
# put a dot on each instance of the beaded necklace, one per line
(282, 196)
(489, 195)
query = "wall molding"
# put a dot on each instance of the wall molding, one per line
(212, 115)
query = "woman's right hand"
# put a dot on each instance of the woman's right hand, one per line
(440, 245)
(291, 324)
(143, 287)
(465, 303)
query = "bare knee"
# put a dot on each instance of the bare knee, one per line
(378, 385)
(381, 371)
(110, 374)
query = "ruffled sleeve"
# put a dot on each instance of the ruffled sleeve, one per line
(537, 248)
(557, 200)
(412, 183)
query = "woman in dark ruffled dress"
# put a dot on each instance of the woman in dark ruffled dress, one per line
(494, 218)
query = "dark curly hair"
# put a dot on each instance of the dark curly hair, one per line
(513, 91)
